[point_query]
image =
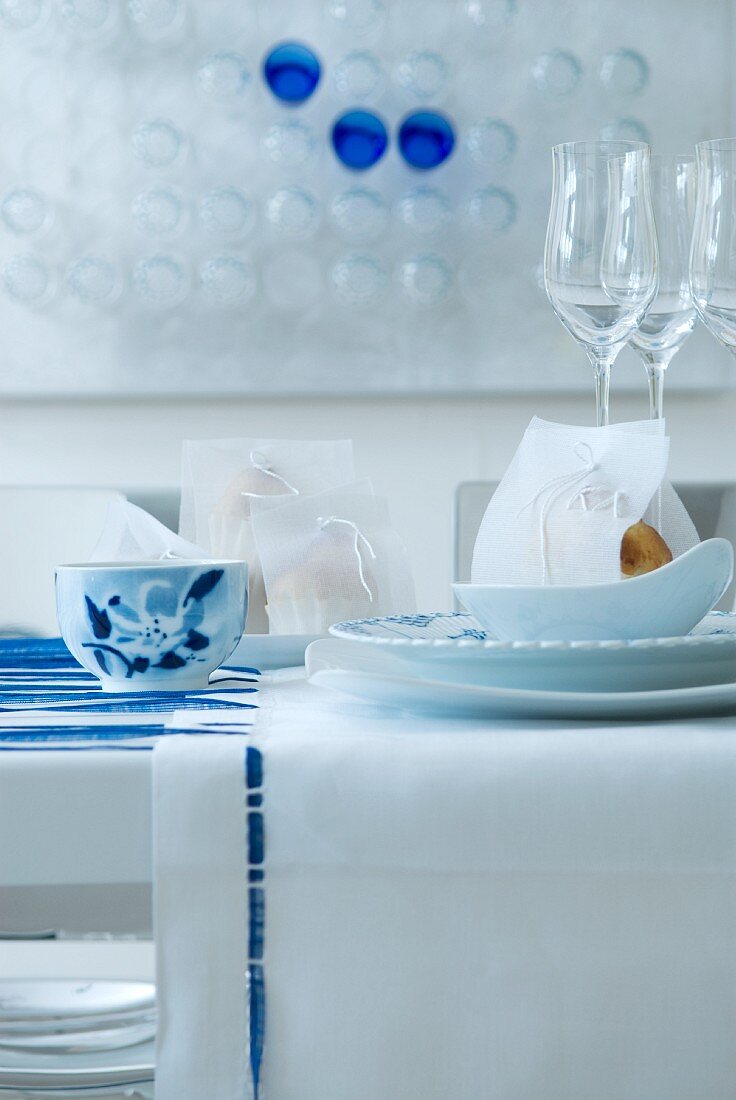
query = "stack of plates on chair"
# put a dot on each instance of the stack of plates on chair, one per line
(446, 664)
(62, 1038)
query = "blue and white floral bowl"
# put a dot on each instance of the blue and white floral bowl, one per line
(152, 626)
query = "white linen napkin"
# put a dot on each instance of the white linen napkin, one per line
(445, 909)
(132, 534)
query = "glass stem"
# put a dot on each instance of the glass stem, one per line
(656, 363)
(602, 358)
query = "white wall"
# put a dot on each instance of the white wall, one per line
(415, 450)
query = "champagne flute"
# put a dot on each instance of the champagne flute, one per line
(671, 317)
(600, 257)
(713, 251)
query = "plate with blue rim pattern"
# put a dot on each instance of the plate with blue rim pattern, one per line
(452, 647)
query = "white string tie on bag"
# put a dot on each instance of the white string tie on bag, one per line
(555, 487)
(325, 522)
(614, 502)
(259, 462)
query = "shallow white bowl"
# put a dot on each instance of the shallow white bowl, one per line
(665, 603)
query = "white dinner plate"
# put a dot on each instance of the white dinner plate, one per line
(452, 647)
(127, 1072)
(270, 651)
(74, 1016)
(471, 701)
(54, 1000)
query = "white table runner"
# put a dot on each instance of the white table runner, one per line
(467, 911)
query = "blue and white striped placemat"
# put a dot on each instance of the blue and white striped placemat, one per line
(47, 699)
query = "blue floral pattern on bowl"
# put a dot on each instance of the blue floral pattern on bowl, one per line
(164, 632)
(170, 623)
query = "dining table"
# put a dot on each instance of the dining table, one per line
(506, 908)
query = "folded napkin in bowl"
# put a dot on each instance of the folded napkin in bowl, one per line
(562, 507)
(131, 534)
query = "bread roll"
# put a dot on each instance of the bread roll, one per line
(642, 550)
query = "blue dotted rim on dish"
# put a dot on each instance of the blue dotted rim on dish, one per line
(458, 629)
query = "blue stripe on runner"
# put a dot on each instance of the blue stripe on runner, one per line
(256, 921)
(55, 681)
(47, 698)
(91, 746)
(255, 837)
(78, 727)
(257, 1018)
(253, 768)
(27, 661)
(11, 701)
(77, 733)
(255, 840)
(59, 734)
(159, 707)
(48, 688)
(63, 736)
(67, 673)
(12, 656)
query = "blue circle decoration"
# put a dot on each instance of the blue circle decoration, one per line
(292, 72)
(426, 139)
(360, 139)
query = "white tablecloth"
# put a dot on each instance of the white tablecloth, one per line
(590, 867)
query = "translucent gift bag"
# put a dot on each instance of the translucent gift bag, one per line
(330, 557)
(132, 534)
(568, 496)
(221, 478)
(669, 516)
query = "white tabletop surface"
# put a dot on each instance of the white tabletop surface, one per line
(611, 868)
(85, 816)
(74, 959)
(72, 817)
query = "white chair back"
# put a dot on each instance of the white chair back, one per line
(40, 528)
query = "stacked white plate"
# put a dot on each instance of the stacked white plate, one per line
(270, 651)
(61, 1038)
(445, 664)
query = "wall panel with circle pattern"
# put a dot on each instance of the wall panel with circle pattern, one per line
(187, 206)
